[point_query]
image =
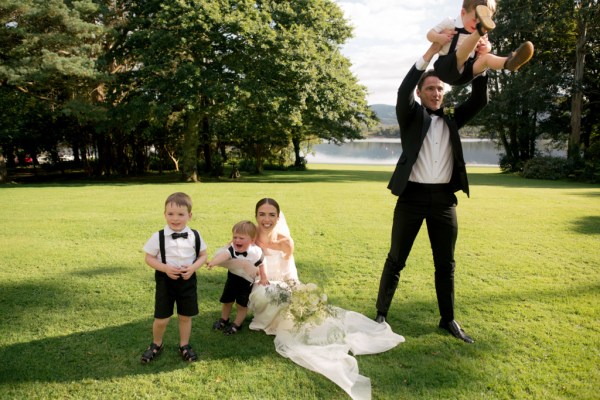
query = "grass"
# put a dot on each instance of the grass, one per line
(76, 298)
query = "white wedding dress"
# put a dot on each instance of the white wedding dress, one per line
(322, 347)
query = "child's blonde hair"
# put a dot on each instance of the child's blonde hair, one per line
(245, 228)
(181, 199)
(469, 5)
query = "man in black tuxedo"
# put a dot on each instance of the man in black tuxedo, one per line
(429, 171)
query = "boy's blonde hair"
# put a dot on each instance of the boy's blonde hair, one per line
(469, 5)
(181, 199)
(245, 228)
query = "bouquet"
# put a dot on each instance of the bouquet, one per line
(305, 304)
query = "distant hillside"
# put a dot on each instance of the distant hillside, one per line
(389, 124)
(385, 113)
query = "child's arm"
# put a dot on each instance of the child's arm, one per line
(171, 271)
(188, 270)
(218, 259)
(442, 37)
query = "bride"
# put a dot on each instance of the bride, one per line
(307, 330)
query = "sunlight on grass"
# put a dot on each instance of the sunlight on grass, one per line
(77, 299)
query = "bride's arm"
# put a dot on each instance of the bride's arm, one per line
(285, 244)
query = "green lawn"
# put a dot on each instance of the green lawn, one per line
(76, 298)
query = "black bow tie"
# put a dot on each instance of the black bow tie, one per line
(180, 235)
(439, 112)
(242, 253)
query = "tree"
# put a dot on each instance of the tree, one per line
(254, 75)
(192, 79)
(48, 51)
(587, 15)
(533, 102)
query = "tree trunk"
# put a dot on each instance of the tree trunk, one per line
(190, 147)
(206, 148)
(3, 170)
(577, 99)
(298, 161)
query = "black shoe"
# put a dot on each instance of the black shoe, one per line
(380, 318)
(221, 324)
(456, 331)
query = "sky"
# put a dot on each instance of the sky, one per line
(389, 36)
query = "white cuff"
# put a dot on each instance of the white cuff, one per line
(421, 64)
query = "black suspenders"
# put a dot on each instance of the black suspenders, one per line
(161, 243)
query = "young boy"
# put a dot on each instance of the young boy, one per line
(237, 288)
(465, 51)
(175, 252)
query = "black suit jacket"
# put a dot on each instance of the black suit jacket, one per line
(414, 122)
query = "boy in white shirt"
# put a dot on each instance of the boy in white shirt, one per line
(237, 289)
(175, 252)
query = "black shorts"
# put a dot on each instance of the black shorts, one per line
(447, 70)
(170, 292)
(236, 289)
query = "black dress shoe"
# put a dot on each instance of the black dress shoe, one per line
(380, 318)
(456, 331)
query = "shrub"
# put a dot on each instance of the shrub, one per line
(546, 167)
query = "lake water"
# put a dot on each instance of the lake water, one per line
(387, 151)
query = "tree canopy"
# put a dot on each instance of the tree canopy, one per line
(195, 81)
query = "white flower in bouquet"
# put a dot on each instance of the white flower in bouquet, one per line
(307, 304)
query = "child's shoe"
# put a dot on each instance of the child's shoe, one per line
(187, 353)
(485, 24)
(519, 57)
(220, 324)
(151, 353)
(232, 329)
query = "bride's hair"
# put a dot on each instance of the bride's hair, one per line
(267, 200)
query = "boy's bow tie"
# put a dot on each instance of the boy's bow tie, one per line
(241, 253)
(439, 112)
(180, 235)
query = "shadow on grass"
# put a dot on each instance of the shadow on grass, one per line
(320, 173)
(108, 352)
(351, 174)
(589, 225)
(114, 352)
(515, 181)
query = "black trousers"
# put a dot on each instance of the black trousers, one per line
(436, 205)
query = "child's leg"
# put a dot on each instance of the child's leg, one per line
(158, 329)
(465, 49)
(512, 63)
(240, 315)
(488, 61)
(226, 311)
(185, 329)
(222, 322)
